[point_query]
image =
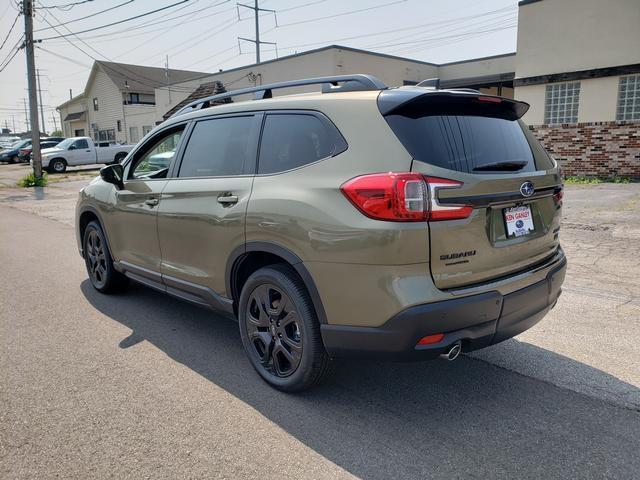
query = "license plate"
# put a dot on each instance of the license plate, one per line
(518, 220)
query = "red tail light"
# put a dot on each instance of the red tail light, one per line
(559, 194)
(402, 197)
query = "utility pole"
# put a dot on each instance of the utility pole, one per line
(257, 41)
(44, 129)
(27, 11)
(13, 120)
(55, 124)
(26, 115)
(166, 74)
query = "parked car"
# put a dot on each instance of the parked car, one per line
(392, 223)
(82, 151)
(6, 142)
(13, 153)
(25, 153)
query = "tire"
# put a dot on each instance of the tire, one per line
(14, 159)
(99, 262)
(57, 165)
(280, 331)
(118, 158)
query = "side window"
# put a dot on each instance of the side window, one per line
(293, 140)
(81, 144)
(218, 147)
(154, 162)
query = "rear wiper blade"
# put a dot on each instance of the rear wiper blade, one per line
(510, 165)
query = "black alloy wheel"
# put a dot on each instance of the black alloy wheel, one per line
(280, 331)
(103, 276)
(273, 330)
(96, 259)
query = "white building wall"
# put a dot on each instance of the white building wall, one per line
(556, 36)
(139, 118)
(68, 128)
(598, 100)
(478, 68)
(110, 105)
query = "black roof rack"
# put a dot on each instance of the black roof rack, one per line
(348, 83)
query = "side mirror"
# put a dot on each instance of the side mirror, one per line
(71, 147)
(113, 174)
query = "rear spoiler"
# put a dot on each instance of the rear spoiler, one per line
(415, 101)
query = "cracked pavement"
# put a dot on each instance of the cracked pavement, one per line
(143, 385)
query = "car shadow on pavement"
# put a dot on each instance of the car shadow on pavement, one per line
(466, 418)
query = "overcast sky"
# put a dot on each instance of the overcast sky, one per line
(201, 35)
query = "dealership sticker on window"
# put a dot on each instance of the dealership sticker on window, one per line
(519, 220)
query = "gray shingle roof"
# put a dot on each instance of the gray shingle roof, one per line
(142, 79)
(74, 116)
(204, 90)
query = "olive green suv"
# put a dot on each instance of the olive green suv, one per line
(393, 223)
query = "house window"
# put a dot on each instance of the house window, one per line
(95, 104)
(561, 102)
(133, 134)
(629, 98)
(145, 130)
(106, 135)
(119, 125)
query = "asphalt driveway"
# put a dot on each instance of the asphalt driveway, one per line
(143, 385)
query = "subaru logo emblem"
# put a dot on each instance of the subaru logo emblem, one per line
(527, 189)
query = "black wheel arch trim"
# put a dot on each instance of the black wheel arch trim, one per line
(96, 212)
(235, 260)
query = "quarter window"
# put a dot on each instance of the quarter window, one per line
(629, 98)
(154, 162)
(293, 140)
(218, 147)
(561, 102)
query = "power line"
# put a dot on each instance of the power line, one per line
(7, 62)
(67, 6)
(89, 16)
(10, 30)
(132, 75)
(155, 21)
(342, 14)
(119, 21)
(63, 57)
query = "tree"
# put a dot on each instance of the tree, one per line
(56, 133)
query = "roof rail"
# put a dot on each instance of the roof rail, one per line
(329, 84)
(430, 82)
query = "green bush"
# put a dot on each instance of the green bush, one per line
(31, 180)
(595, 180)
(582, 180)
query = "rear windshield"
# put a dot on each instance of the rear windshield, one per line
(463, 142)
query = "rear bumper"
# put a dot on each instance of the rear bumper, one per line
(477, 321)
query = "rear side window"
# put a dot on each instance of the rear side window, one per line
(218, 147)
(82, 143)
(465, 140)
(293, 140)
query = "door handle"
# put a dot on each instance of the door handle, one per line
(152, 202)
(227, 199)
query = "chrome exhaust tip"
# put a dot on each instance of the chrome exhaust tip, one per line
(453, 352)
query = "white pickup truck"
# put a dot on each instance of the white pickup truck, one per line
(82, 151)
